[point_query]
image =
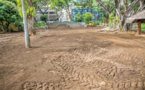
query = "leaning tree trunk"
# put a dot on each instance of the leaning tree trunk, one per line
(30, 24)
(31, 29)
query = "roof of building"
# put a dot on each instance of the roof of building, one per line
(137, 17)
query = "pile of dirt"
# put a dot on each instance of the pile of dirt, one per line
(63, 27)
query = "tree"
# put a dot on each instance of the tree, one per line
(59, 5)
(105, 16)
(27, 39)
(30, 11)
(44, 18)
(42, 5)
(14, 1)
(124, 9)
(87, 17)
(78, 17)
(87, 4)
(9, 14)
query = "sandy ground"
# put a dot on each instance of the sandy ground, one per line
(82, 59)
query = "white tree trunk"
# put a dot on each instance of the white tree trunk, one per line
(27, 39)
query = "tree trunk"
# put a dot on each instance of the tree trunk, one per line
(27, 39)
(7, 26)
(30, 24)
(69, 14)
(125, 13)
(3, 27)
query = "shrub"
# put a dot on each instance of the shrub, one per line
(143, 27)
(41, 24)
(44, 18)
(8, 14)
(97, 22)
(78, 17)
(87, 17)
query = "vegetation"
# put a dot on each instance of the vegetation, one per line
(122, 9)
(97, 22)
(59, 5)
(113, 12)
(44, 18)
(78, 17)
(9, 15)
(40, 24)
(87, 17)
(143, 27)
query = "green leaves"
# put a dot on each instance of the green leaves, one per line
(87, 17)
(78, 17)
(8, 13)
(30, 10)
(44, 18)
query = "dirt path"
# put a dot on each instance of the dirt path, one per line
(74, 60)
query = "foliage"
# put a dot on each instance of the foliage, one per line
(78, 17)
(103, 19)
(84, 3)
(97, 22)
(40, 24)
(14, 1)
(143, 27)
(59, 5)
(111, 19)
(30, 9)
(41, 5)
(122, 8)
(87, 17)
(9, 14)
(44, 18)
(20, 25)
(114, 19)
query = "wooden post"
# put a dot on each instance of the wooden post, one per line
(139, 27)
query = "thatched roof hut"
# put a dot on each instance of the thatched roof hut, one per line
(137, 17)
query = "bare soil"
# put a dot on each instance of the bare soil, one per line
(63, 27)
(82, 59)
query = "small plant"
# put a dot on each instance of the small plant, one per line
(143, 27)
(97, 22)
(44, 18)
(87, 17)
(78, 17)
(41, 24)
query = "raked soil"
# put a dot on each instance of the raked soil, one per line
(82, 59)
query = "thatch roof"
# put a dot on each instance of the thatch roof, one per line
(137, 17)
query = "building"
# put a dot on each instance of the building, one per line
(52, 16)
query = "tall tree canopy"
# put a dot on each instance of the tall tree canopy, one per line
(62, 4)
(124, 9)
(30, 11)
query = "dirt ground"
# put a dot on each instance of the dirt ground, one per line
(81, 59)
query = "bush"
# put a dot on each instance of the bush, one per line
(78, 17)
(41, 24)
(8, 15)
(44, 18)
(143, 27)
(87, 17)
(20, 25)
(97, 22)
